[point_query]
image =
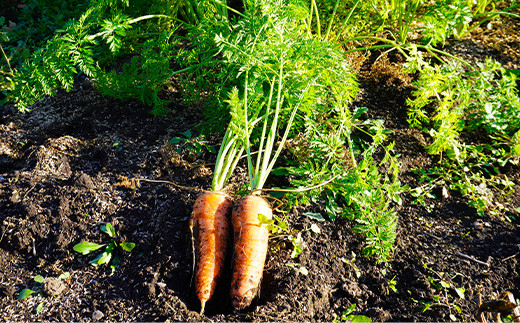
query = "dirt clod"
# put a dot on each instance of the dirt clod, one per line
(97, 315)
(53, 286)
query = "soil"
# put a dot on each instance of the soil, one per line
(66, 168)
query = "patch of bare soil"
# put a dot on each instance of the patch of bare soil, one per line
(62, 171)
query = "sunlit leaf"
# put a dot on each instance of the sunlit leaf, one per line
(109, 229)
(127, 246)
(64, 276)
(39, 308)
(86, 247)
(314, 215)
(102, 259)
(26, 293)
(38, 279)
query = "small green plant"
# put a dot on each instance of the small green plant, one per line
(24, 293)
(441, 282)
(110, 255)
(297, 268)
(347, 315)
(352, 263)
(195, 146)
(392, 286)
(279, 229)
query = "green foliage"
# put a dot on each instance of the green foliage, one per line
(359, 192)
(82, 46)
(347, 315)
(194, 146)
(484, 101)
(447, 18)
(26, 292)
(279, 229)
(443, 290)
(143, 76)
(110, 254)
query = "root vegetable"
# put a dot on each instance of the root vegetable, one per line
(209, 225)
(250, 249)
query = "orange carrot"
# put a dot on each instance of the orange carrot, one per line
(210, 221)
(250, 248)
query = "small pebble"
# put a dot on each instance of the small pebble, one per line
(478, 225)
(97, 315)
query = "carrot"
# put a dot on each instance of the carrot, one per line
(210, 223)
(250, 248)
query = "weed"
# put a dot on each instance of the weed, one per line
(441, 282)
(40, 280)
(347, 315)
(195, 146)
(281, 233)
(110, 255)
(352, 263)
(392, 286)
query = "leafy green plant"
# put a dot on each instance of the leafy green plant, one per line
(279, 229)
(392, 286)
(26, 292)
(286, 84)
(442, 283)
(73, 50)
(485, 100)
(446, 18)
(144, 76)
(110, 254)
(358, 191)
(347, 315)
(195, 146)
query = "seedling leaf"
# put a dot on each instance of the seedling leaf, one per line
(39, 308)
(460, 291)
(264, 219)
(109, 229)
(102, 259)
(359, 318)
(315, 216)
(127, 246)
(64, 276)
(86, 247)
(426, 307)
(186, 134)
(176, 140)
(517, 150)
(38, 279)
(26, 293)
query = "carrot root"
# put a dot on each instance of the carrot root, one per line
(209, 224)
(250, 249)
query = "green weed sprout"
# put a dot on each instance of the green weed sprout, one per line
(26, 292)
(110, 253)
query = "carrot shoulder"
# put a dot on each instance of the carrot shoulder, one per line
(250, 249)
(210, 225)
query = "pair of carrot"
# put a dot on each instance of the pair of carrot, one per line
(210, 226)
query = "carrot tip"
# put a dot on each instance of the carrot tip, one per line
(202, 306)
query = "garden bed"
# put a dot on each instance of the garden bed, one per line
(66, 168)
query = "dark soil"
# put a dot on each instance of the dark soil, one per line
(62, 175)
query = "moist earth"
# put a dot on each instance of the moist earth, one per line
(73, 164)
